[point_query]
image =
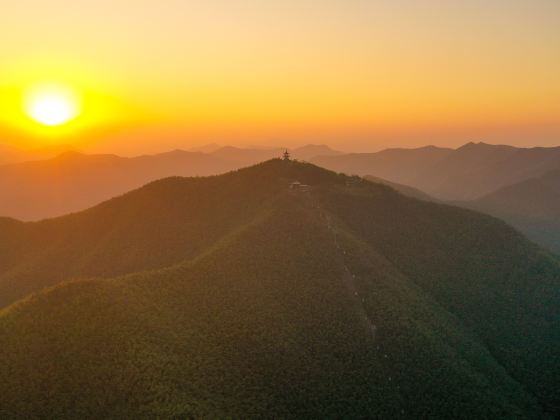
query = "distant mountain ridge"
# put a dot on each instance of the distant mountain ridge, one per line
(11, 154)
(248, 156)
(466, 173)
(74, 181)
(396, 165)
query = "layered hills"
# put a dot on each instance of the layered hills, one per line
(466, 173)
(74, 181)
(532, 206)
(240, 295)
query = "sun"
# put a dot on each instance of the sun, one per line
(51, 104)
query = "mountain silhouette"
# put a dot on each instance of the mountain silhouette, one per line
(396, 165)
(245, 295)
(248, 156)
(74, 181)
(467, 173)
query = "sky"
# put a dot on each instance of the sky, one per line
(355, 74)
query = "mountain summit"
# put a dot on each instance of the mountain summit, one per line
(247, 295)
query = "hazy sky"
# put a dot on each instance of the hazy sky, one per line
(353, 73)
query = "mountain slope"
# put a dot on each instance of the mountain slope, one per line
(346, 300)
(532, 206)
(155, 226)
(254, 328)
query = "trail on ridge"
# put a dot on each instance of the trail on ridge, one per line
(348, 277)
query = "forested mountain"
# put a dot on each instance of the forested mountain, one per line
(466, 173)
(75, 181)
(238, 296)
(532, 206)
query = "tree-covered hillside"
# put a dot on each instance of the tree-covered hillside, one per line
(246, 298)
(532, 206)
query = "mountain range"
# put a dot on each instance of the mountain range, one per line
(74, 181)
(243, 295)
(516, 185)
(466, 173)
(520, 186)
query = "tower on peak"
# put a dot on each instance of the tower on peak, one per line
(286, 155)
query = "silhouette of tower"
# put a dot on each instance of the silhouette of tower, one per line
(286, 155)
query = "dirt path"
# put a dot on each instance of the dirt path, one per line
(348, 278)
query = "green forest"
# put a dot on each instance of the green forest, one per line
(240, 296)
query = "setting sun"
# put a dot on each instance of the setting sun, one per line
(51, 105)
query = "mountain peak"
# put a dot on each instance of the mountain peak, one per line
(207, 148)
(75, 156)
(316, 149)
(70, 154)
(294, 170)
(484, 146)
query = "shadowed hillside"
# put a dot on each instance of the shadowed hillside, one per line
(345, 299)
(532, 206)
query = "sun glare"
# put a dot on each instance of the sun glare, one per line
(51, 105)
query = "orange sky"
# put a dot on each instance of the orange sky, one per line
(357, 74)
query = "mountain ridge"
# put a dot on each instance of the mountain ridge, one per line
(466, 173)
(73, 181)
